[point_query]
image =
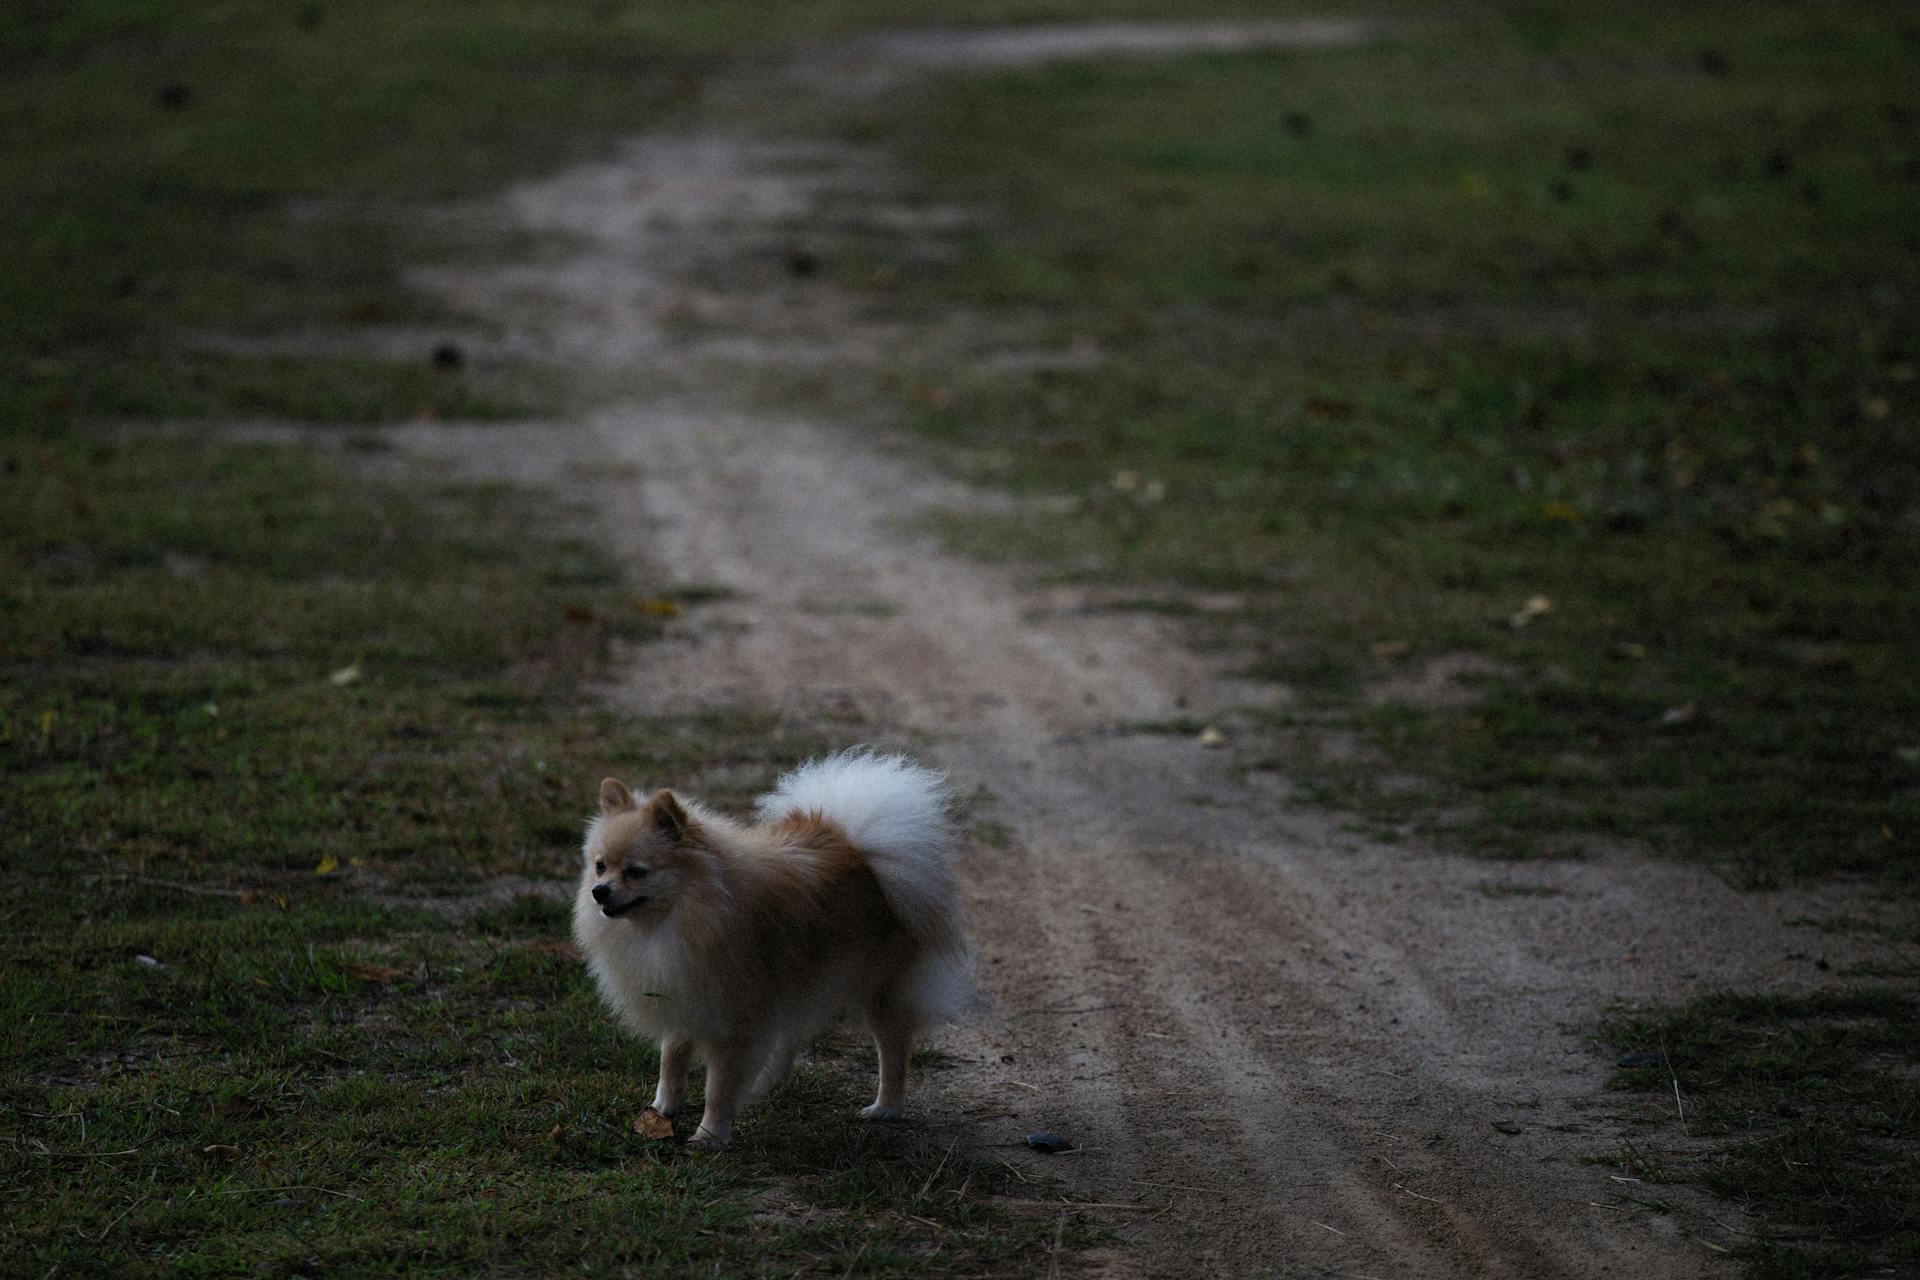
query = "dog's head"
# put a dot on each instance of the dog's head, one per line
(637, 852)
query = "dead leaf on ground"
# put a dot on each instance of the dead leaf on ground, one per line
(1212, 737)
(651, 1124)
(1327, 409)
(1679, 715)
(345, 675)
(370, 972)
(327, 866)
(220, 1151)
(1535, 607)
(658, 607)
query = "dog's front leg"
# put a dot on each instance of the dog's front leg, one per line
(676, 1054)
(729, 1072)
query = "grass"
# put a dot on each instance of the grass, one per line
(297, 739)
(175, 176)
(291, 772)
(1608, 309)
(1544, 379)
(1809, 1114)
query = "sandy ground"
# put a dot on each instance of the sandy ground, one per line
(1296, 1053)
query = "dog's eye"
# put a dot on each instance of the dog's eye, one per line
(600, 866)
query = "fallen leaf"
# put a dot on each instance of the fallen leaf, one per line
(369, 972)
(345, 675)
(658, 607)
(651, 1124)
(220, 1151)
(1677, 715)
(1560, 511)
(327, 866)
(1212, 737)
(1535, 607)
(148, 962)
(556, 1133)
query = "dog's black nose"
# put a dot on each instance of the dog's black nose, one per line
(601, 892)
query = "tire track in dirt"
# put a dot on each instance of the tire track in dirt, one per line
(1297, 1043)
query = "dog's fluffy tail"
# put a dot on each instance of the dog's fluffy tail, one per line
(896, 813)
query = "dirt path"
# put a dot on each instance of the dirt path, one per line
(1318, 1056)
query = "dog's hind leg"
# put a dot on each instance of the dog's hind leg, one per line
(676, 1055)
(774, 1068)
(893, 1026)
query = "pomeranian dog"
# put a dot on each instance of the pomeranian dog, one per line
(736, 944)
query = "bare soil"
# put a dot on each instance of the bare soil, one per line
(1297, 1052)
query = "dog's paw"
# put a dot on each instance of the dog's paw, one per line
(708, 1142)
(878, 1112)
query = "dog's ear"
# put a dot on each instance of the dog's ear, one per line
(614, 796)
(668, 817)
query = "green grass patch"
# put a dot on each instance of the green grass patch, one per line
(1545, 379)
(175, 172)
(297, 757)
(1809, 1107)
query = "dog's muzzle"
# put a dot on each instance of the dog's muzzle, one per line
(611, 906)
